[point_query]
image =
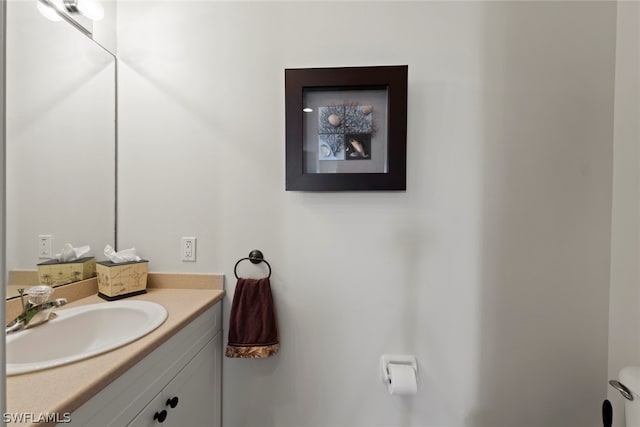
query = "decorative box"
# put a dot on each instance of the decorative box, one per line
(54, 272)
(116, 281)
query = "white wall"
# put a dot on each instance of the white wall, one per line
(492, 268)
(624, 318)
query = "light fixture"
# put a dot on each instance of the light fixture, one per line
(89, 8)
(48, 11)
(307, 110)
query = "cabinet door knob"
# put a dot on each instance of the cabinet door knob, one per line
(160, 416)
(173, 402)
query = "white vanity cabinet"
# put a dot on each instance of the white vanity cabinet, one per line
(191, 398)
(188, 367)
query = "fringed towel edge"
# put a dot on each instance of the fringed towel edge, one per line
(253, 352)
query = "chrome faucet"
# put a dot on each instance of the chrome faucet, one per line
(37, 311)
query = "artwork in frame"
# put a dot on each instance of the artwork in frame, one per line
(346, 128)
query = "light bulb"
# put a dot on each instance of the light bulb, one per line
(91, 9)
(48, 11)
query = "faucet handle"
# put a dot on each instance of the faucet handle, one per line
(21, 292)
(39, 294)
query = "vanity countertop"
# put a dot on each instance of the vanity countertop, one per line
(65, 388)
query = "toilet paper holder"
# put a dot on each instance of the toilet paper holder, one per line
(400, 359)
(623, 389)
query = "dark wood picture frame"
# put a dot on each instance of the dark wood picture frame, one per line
(392, 79)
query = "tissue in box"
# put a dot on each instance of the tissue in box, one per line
(54, 272)
(116, 281)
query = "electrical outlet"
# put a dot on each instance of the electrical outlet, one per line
(44, 246)
(189, 249)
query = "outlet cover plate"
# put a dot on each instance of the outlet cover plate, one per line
(188, 249)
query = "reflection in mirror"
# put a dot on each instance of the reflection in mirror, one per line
(60, 141)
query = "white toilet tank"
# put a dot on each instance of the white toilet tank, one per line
(630, 377)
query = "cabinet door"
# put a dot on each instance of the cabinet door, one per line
(151, 415)
(195, 391)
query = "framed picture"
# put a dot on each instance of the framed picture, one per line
(346, 128)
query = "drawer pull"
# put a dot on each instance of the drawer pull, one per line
(160, 416)
(173, 402)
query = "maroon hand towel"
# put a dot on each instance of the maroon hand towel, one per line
(253, 330)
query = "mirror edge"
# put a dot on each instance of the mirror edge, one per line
(3, 26)
(3, 267)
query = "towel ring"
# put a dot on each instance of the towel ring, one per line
(256, 257)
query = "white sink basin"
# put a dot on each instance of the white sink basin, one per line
(81, 332)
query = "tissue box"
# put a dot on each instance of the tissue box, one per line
(116, 281)
(54, 272)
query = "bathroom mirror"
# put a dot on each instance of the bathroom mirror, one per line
(60, 140)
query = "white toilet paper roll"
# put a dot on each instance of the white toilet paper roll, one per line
(403, 379)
